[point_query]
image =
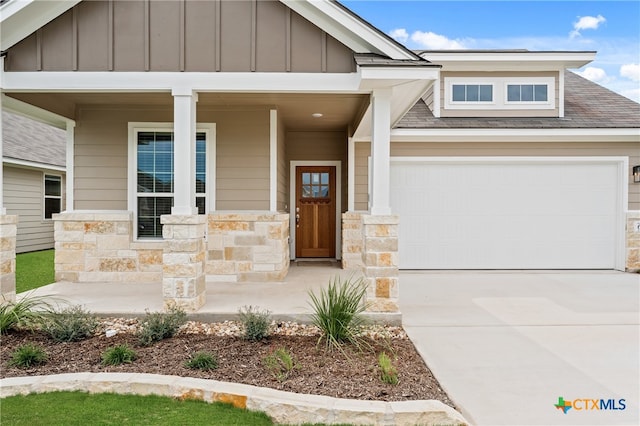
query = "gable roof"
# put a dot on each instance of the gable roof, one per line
(587, 106)
(28, 140)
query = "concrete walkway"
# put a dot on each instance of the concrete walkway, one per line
(506, 345)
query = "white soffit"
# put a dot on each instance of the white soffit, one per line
(19, 18)
(471, 60)
(347, 28)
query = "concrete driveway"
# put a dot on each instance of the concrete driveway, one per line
(507, 345)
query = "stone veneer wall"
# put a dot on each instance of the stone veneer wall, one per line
(380, 258)
(8, 232)
(98, 247)
(633, 242)
(247, 246)
(352, 240)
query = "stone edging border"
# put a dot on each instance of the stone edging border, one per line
(282, 407)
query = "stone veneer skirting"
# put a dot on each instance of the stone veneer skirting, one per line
(93, 246)
(352, 240)
(633, 241)
(8, 233)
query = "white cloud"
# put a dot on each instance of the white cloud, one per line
(433, 41)
(399, 34)
(593, 74)
(633, 94)
(586, 23)
(630, 71)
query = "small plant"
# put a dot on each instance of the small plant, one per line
(202, 360)
(27, 356)
(27, 312)
(160, 325)
(117, 355)
(280, 364)
(255, 322)
(388, 372)
(337, 312)
(70, 324)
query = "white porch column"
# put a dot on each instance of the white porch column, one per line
(184, 155)
(3, 210)
(351, 174)
(380, 151)
(70, 164)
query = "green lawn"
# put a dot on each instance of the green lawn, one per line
(34, 270)
(79, 408)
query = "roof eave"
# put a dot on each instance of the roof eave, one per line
(465, 60)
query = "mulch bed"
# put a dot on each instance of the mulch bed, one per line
(347, 374)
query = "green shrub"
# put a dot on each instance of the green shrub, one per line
(116, 355)
(337, 312)
(388, 372)
(159, 325)
(70, 324)
(256, 322)
(27, 356)
(202, 361)
(28, 312)
(280, 364)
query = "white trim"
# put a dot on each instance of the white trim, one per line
(351, 174)
(25, 164)
(437, 98)
(380, 151)
(292, 203)
(132, 191)
(45, 196)
(623, 183)
(515, 135)
(509, 60)
(81, 81)
(184, 152)
(273, 160)
(3, 209)
(69, 165)
(347, 28)
(561, 93)
(34, 112)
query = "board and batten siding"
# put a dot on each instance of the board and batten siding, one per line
(539, 149)
(101, 146)
(179, 35)
(24, 197)
(488, 112)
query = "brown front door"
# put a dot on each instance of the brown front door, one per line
(316, 211)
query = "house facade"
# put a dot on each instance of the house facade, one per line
(218, 141)
(33, 179)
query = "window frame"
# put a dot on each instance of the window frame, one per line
(500, 94)
(528, 82)
(209, 129)
(52, 197)
(468, 102)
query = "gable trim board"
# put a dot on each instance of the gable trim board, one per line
(510, 212)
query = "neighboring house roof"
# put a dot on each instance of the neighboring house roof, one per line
(587, 105)
(28, 140)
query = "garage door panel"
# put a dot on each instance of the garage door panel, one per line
(501, 215)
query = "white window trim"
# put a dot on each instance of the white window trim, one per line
(132, 188)
(499, 93)
(45, 196)
(470, 103)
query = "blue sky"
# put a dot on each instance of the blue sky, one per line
(612, 28)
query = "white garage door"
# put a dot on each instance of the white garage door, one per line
(507, 213)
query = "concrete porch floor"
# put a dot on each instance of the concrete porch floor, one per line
(287, 300)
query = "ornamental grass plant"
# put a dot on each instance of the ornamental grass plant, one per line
(30, 311)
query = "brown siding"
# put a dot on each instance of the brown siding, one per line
(486, 112)
(172, 35)
(621, 149)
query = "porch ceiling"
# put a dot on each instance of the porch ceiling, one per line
(339, 111)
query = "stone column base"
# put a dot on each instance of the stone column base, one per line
(380, 259)
(8, 233)
(183, 261)
(633, 242)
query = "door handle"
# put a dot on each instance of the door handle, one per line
(297, 218)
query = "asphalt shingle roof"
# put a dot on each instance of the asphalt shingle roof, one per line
(29, 140)
(587, 106)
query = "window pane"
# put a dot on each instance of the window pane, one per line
(486, 93)
(315, 178)
(52, 185)
(306, 191)
(473, 93)
(458, 93)
(540, 92)
(145, 182)
(163, 182)
(306, 178)
(324, 178)
(200, 204)
(149, 211)
(526, 93)
(51, 206)
(513, 93)
(316, 191)
(324, 191)
(200, 183)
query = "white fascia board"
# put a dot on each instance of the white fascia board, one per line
(35, 113)
(516, 135)
(19, 18)
(25, 164)
(77, 81)
(346, 28)
(514, 61)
